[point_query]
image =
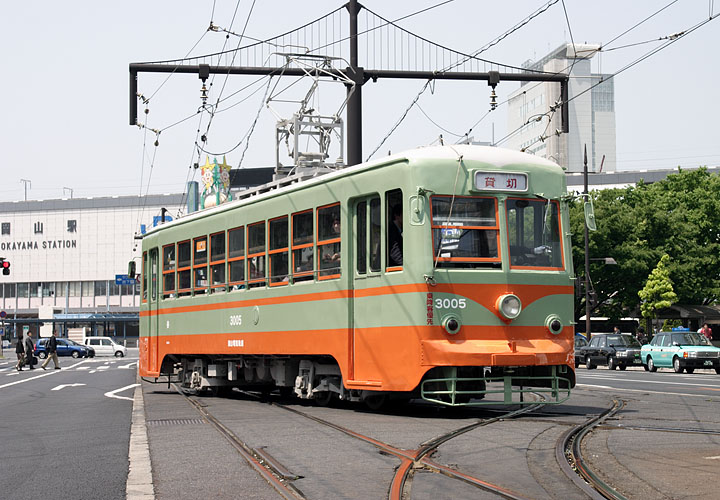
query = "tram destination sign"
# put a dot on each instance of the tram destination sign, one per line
(500, 181)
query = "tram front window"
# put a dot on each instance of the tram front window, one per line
(534, 233)
(465, 232)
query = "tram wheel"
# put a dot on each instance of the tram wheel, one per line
(375, 402)
(323, 398)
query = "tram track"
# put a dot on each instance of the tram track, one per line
(410, 460)
(569, 455)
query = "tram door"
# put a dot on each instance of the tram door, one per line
(153, 300)
(366, 277)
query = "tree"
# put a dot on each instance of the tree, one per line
(637, 225)
(658, 291)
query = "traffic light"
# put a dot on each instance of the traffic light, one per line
(5, 264)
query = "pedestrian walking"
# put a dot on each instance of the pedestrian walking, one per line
(51, 348)
(20, 353)
(29, 350)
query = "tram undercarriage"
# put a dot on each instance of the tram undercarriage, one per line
(319, 378)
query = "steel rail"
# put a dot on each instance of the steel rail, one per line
(278, 479)
(569, 456)
(409, 459)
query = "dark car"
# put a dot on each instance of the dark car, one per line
(580, 342)
(65, 347)
(611, 349)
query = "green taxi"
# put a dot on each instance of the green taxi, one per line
(680, 349)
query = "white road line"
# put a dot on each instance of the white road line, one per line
(129, 365)
(713, 458)
(657, 382)
(63, 386)
(111, 394)
(46, 374)
(646, 391)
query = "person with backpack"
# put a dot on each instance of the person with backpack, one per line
(51, 348)
(20, 353)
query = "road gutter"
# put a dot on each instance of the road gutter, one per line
(139, 484)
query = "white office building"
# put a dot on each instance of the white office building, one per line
(64, 258)
(591, 112)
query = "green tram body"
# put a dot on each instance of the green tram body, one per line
(444, 325)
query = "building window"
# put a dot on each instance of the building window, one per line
(5, 228)
(71, 226)
(38, 227)
(48, 289)
(100, 288)
(22, 290)
(9, 290)
(35, 289)
(74, 289)
(88, 288)
(114, 289)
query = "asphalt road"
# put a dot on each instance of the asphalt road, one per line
(64, 433)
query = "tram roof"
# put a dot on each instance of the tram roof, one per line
(498, 157)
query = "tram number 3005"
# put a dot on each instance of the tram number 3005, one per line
(236, 320)
(451, 303)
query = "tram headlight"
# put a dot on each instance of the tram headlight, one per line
(451, 324)
(509, 305)
(554, 324)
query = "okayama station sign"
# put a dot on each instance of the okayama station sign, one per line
(9, 246)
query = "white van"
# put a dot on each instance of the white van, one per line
(106, 346)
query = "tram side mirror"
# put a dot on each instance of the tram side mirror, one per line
(131, 269)
(590, 216)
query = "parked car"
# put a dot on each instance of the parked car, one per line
(611, 349)
(65, 347)
(106, 345)
(580, 342)
(680, 350)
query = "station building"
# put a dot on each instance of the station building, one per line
(65, 255)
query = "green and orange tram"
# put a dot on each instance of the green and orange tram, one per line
(443, 273)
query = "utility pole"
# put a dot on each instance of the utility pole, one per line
(359, 76)
(26, 182)
(588, 309)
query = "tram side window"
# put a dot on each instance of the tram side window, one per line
(217, 262)
(236, 257)
(168, 270)
(200, 260)
(394, 229)
(465, 232)
(302, 246)
(534, 233)
(375, 231)
(183, 268)
(256, 254)
(361, 235)
(328, 244)
(144, 277)
(278, 251)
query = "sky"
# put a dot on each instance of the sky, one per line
(66, 130)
